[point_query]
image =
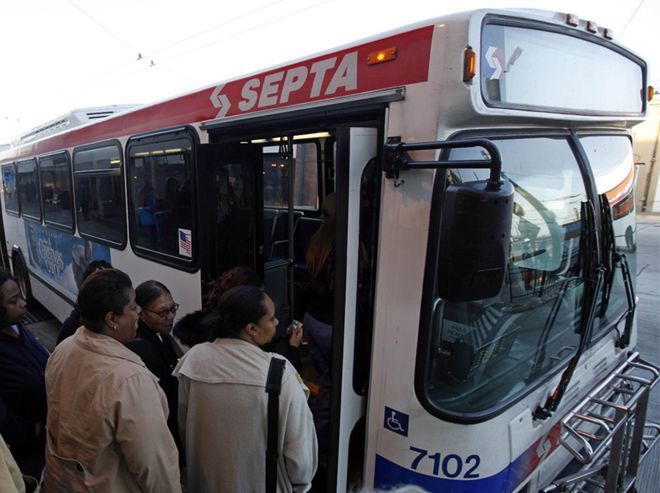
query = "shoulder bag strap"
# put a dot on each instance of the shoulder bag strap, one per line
(273, 387)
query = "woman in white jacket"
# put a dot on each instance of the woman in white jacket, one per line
(223, 405)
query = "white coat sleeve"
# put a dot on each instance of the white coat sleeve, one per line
(144, 438)
(299, 444)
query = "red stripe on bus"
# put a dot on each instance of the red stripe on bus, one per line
(333, 75)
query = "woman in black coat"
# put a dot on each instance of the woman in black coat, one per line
(22, 386)
(71, 324)
(155, 345)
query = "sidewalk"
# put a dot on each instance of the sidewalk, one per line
(648, 326)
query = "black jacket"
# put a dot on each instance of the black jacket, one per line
(70, 325)
(196, 327)
(161, 358)
(23, 394)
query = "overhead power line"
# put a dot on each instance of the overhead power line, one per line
(631, 18)
(217, 26)
(253, 28)
(103, 26)
(144, 55)
(161, 62)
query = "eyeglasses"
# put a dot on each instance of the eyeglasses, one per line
(165, 311)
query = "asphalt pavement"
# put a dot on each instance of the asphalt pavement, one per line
(648, 327)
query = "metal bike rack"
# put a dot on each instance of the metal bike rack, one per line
(607, 431)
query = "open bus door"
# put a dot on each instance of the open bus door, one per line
(229, 207)
(357, 182)
(231, 210)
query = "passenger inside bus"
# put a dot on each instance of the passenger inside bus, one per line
(146, 213)
(319, 312)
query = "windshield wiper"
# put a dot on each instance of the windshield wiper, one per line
(615, 260)
(609, 255)
(547, 327)
(593, 275)
(624, 340)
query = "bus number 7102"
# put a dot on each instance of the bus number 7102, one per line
(451, 464)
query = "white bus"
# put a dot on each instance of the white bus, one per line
(484, 331)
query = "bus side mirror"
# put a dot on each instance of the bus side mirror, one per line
(474, 241)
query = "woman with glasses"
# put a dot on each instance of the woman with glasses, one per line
(156, 346)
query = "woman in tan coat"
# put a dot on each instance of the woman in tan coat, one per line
(107, 417)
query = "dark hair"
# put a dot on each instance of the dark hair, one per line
(322, 242)
(5, 276)
(196, 327)
(238, 307)
(148, 291)
(93, 266)
(106, 290)
(238, 276)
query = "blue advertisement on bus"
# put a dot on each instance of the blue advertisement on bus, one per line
(60, 257)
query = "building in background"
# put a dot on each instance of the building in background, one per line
(646, 141)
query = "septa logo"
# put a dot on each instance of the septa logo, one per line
(495, 61)
(324, 78)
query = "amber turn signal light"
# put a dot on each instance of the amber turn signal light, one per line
(381, 56)
(469, 64)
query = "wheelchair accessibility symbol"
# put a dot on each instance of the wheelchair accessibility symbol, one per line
(396, 421)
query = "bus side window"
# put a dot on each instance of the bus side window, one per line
(160, 196)
(99, 189)
(55, 173)
(27, 184)
(9, 189)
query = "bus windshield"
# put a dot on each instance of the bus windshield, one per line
(488, 351)
(537, 69)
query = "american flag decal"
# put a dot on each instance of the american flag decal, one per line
(185, 242)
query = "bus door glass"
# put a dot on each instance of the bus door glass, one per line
(230, 207)
(356, 148)
(291, 178)
(485, 353)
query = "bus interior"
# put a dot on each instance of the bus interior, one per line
(275, 183)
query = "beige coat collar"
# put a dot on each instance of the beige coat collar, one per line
(106, 345)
